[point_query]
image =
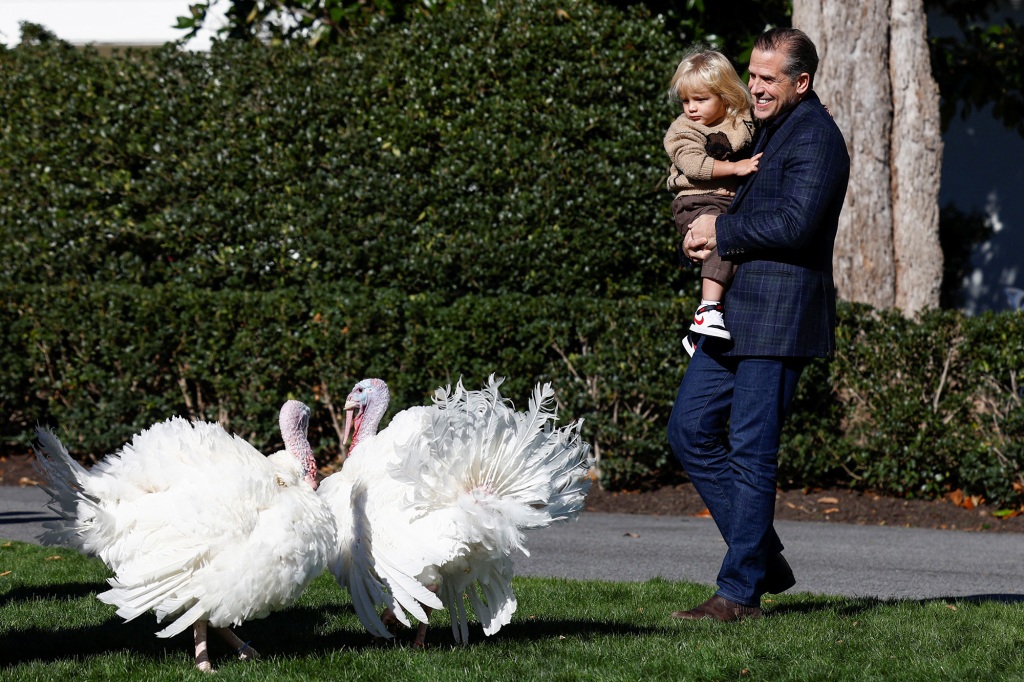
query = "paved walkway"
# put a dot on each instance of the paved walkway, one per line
(828, 558)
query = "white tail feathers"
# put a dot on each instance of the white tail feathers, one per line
(503, 471)
(66, 484)
(159, 596)
(486, 582)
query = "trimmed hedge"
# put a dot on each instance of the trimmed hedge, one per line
(940, 409)
(476, 193)
(103, 361)
(915, 407)
(505, 150)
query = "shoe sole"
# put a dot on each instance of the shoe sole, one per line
(718, 332)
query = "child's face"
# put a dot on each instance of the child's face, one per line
(704, 107)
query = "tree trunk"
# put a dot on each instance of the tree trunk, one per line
(916, 161)
(875, 77)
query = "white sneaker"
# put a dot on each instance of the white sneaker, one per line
(708, 320)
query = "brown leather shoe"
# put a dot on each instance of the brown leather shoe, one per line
(719, 608)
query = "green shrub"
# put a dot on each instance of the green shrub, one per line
(914, 408)
(510, 149)
(104, 361)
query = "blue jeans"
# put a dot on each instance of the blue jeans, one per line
(724, 430)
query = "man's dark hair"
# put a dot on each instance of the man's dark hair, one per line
(801, 55)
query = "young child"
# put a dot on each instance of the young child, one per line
(709, 145)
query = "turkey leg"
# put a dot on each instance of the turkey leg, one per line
(421, 631)
(202, 653)
(244, 651)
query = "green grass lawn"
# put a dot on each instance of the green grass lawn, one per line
(53, 627)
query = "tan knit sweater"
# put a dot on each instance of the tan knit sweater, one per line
(693, 149)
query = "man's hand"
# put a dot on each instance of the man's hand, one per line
(701, 239)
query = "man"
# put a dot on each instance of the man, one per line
(780, 230)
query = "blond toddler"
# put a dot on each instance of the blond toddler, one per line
(709, 145)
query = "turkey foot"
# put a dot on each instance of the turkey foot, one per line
(244, 651)
(391, 624)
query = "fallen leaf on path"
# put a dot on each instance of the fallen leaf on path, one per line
(706, 514)
(828, 500)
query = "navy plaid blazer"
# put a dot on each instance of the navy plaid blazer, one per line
(780, 231)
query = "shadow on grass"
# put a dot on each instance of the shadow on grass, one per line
(49, 645)
(334, 626)
(541, 629)
(978, 599)
(297, 631)
(63, 591)
(854, 606)
(293, 633)
(843, 606)
(535, 630)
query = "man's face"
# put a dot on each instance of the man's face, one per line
(774, 92)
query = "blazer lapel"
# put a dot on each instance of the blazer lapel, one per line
(773, 146)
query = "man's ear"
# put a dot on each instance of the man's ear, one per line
(803, 83)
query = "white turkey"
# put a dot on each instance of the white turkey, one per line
(197, 525)
(430, 510)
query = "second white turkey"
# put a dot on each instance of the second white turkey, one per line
(431, 509)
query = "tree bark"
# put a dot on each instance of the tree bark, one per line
(875, 77)
(916, 161)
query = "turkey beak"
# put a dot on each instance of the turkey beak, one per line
(351, 407)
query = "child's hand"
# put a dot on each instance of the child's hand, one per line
(748, 166)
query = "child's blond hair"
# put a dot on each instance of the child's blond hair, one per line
(710, 71)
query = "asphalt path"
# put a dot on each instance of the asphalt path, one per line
(827, 558)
